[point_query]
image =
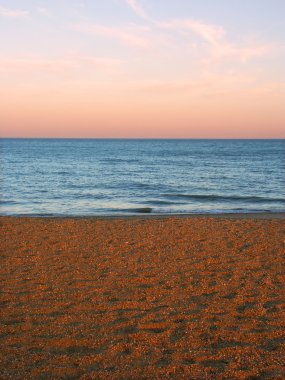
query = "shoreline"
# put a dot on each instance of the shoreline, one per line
(223, 215)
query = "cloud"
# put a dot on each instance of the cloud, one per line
(54, 65)
(171, 87)
(129, 35)
(44, 11)
(215, 37)
(136, 7)
(102, 63)
(13, 13)
(209, 32)
(244, 54)
(209, 42)
(23, 64)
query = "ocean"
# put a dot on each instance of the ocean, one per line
(91, 177)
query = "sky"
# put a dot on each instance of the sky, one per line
(142, 68)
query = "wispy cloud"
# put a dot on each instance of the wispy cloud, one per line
(23, 64)
(215, 36)
(100, 62)
(171, 87)
(209, 42)
(44, 11)
(13, 13)
(244, 54)
(57, 64)
(132, 35)
(209, 32)
(136, 7)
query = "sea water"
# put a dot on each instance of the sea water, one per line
(85, 177)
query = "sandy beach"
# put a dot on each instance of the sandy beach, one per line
(142, 298)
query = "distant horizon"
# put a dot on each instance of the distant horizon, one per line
(140, 138)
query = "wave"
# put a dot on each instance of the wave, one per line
(62, 172)
(7, 202)
(88, 196)
(140, 210)
(160, 202)
(224, 198)
(171, 211)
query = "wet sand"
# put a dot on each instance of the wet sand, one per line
(142, 298)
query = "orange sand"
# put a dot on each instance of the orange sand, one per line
(170, 298)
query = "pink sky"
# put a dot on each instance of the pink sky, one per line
(139, 72)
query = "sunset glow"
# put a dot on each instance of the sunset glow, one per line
(142, 68)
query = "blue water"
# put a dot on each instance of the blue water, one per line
(113, 177)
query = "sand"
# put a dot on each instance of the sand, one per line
(138, 298)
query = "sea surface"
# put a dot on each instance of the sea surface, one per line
(85, 177)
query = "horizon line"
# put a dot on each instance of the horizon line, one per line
(140, 138)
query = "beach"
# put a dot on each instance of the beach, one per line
(192, 297)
